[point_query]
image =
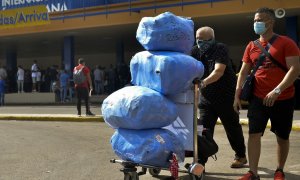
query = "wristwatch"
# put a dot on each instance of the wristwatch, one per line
(277, 91)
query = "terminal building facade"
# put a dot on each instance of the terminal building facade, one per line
(103, 31)
(58, 32)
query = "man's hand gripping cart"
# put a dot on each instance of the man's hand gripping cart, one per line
(194, 170)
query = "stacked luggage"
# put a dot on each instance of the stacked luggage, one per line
(140, 112)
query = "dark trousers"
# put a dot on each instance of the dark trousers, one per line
(209, 115)
(2, 99)
(82, 94)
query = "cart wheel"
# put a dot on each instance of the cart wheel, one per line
(131, 176)
(154, 171)
(194, 177)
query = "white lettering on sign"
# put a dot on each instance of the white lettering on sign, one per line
(51, 7)
(57, 7)
(6, 3)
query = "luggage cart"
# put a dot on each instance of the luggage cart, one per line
(130, 168)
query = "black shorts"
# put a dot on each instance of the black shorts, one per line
(280, 115)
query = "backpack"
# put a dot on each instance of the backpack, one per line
(78, 76)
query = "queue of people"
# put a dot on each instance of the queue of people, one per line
(104, 80)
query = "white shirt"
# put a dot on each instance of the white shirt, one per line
(34, 69)
(20, 74)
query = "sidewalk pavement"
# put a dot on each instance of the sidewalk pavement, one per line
(69, 113)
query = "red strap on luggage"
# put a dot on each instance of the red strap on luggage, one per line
(174, 166)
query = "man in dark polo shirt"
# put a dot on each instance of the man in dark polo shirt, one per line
(217, 92)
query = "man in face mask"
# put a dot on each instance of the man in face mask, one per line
(273, 93)
(204, 43)
(217, 92)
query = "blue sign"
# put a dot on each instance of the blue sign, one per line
(58, 5)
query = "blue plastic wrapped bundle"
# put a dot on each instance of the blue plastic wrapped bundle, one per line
(164, 71)
(166, 32)
(150, 147)
(136, 107)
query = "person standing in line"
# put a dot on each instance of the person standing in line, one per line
(124, 73)
(102, 73)
(70, 86)
(53, 75)
(273, 94)
(64, 84)
(20, 80)
(97, 80)
(83, 89)
(27, 80)
(3, 72)
(38, 79)
(217, 92)
(2, 91)
(34, 70)
(111, 74)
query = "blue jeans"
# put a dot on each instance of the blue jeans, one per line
(63, 93)
(99, 88)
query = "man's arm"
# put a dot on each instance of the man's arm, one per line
(245, 70)
(215, 75)
(293, 65)
(89, 81)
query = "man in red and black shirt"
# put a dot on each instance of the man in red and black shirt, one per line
(273, 94)
(82, 90)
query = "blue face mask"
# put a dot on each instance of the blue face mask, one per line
(259, 28)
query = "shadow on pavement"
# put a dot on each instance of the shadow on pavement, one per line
(206, 177)
(270, 173)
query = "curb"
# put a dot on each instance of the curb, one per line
(99, 118)
(69, 118)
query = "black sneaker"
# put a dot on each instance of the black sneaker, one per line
(90, 114)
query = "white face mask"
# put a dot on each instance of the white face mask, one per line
(259, 28)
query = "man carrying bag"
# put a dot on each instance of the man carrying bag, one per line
(247, 87)
(273, 92)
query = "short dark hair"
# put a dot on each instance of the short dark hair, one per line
(268, 11)
(81, 61)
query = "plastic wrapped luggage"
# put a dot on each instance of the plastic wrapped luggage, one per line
(166, 32)
(151, 147)
(164, 71)
(136, 107)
